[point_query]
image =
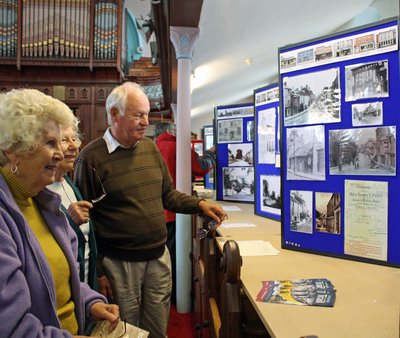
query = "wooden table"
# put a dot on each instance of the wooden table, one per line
(367, 297)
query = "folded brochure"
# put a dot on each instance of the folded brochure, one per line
(314, 292)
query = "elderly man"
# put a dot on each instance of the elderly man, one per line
(129, 220)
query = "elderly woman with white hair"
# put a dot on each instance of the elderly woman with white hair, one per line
(40, 291)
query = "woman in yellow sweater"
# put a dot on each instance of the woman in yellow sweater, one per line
(41, 294)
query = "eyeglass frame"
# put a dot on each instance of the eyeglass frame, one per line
(202, 233)
(102, 331)
(98, 199)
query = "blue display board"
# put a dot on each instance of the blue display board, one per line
(234, 140)
(267, 161)
(340, 107)
(208, 137)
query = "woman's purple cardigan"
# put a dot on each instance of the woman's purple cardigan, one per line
(27, 292)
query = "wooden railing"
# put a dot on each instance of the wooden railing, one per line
(221, 308)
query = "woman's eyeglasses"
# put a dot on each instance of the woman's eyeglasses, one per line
(212, 225)
(97, 199)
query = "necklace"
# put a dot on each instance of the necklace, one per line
(65, 191)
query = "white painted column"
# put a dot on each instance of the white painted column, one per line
(183, 39)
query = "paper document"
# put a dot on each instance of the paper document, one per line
(123, 330)
(238, 225)
(231, 208)
(253, 248)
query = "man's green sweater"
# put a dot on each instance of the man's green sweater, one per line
(129, 222)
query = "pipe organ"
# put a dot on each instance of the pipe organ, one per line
(60, 29)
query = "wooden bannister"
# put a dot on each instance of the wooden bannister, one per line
(222, 310)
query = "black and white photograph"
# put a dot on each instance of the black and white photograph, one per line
(301, 211)
(267, 96)
(270, 194)
(240, 154)
(209, 130)
(238, 183)
(328, 212)
(266, 135)
(250, 130)
(305, 153)
(367, 114)
(226, 113)
(230, 131)
(312, 98)
(367, 80)
(363, 151)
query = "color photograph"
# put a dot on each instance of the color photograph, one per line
(327, 212)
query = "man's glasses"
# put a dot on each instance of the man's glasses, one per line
(118, 332)
(102, 187)
(212, 225)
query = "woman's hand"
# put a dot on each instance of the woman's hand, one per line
(79, 211)
(103, 311)
(105, 288)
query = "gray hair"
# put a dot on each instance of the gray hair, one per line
(118, 96)
(164, 127)
(23, 115)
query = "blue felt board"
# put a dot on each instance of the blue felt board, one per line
(267, 168)
(333, 244)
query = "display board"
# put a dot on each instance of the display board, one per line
(340, 107)
(234, 141)
(267, 162)
(208, 137)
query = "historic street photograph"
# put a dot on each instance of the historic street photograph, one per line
(312, 98)
(305, 153)
(327, 212)
(366, 114)
(301, 211)
(238, 183)
(363, 151)
(367, 80)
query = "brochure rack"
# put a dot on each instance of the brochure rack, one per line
(340, 110)
(234, 141)
(267, 200)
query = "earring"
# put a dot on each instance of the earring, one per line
(14, 168)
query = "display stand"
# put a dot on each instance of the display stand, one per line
(340, 112)
(268, 200)
(208, 137)
(234, 139)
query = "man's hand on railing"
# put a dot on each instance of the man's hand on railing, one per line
(214, 211)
